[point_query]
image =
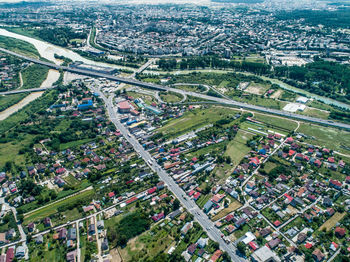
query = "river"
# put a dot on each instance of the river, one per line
(48, 51)
(51, 78)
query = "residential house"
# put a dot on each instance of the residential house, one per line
(318, 255)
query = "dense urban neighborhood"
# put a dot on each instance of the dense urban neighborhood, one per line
(175, 132)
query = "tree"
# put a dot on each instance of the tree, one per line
(241, 247)
(176, 204)
(225, 256)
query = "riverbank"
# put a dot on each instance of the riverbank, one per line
(48, 51)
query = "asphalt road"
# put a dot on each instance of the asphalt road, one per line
(165, 88)
(189, 204)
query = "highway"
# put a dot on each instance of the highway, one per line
(189, 204)
(224, 101)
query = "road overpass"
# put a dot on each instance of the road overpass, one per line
(18, 91)
(223, 101)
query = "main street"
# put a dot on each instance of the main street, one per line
(188, 93)
(189, 204)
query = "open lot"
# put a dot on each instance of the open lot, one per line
(153, 243)
(194, 119)
(234, 205)
(326, 136)
(330, 223)
(256, 89)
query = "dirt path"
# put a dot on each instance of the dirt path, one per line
(20, 80)
(115, 255)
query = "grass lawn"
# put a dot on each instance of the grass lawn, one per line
(53, 208)
(70, 215)
(191, 88)
(269, 166)
(74, 144)
(148, 99)
(71, 180)
(50, 251)
(298, 222)
(232, 207)
(113, 221)
(326, 136)
(237, 148)
(331, 222)
(203, 199)
(212, 149)
(82, 247)
(244, 229)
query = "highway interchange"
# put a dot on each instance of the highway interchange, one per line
(188, 93)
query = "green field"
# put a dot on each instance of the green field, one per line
(34, 75)
(269, 166)
(53, 208)
(237, 148)
(9, 151)
(194, 120)
(276, 122)
(203, 199)
(19, 46)
(316, 113)
(326, 136)
(74, 144)
(171, 97)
